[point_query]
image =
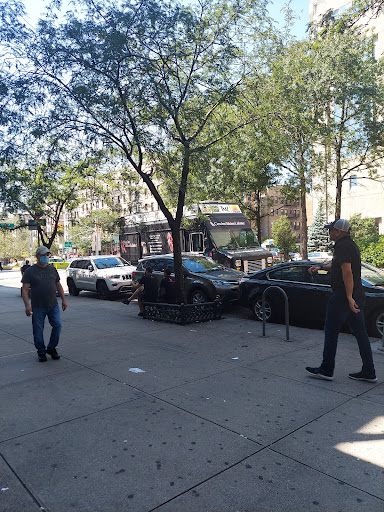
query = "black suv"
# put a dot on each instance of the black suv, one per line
(204, 279)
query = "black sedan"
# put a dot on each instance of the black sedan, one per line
(308, 295)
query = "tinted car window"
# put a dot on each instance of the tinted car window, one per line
(297, 274)
(84, 264)
(372, 275)
(321, 277)
(74, 264)
(158, 265)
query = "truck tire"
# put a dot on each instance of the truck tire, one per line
(197, 296)
(72, 288)
(102, 290)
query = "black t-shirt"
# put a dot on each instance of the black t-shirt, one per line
(168, 287)
(24, 268)
(43, 281)
(346, 251)
(150, 288)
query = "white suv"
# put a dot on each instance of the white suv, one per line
(107, 275)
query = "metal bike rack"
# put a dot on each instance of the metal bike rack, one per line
(286, 309)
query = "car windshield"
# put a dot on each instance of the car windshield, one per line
(235, 239)
(109, 262)
(373, 275)
(201, 264)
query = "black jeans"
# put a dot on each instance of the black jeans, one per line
(339, 313)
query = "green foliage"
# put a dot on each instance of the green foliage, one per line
(363, 228)
(318, 239)
(80, 234)
(372, 251)
(283, 236)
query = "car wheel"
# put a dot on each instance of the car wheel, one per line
(72, 288)
(270, 310)
(198, 297)
(376, 324)
(102, 290)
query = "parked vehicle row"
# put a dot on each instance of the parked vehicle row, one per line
(205, 280)
(308, 294)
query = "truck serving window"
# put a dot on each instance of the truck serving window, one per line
(235, 239)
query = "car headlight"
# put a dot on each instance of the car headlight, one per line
(219, 282)
(244, 279)
(114, 277)
(269, 259)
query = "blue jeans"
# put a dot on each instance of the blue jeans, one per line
(38, 319)
(339, 313)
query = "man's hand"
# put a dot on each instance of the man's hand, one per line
(64, 305)
(28, 310)
(353, 306)
(314, 269)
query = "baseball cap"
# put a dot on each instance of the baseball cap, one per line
(341, 224)
(42, 251)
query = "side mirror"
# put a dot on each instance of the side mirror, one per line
(90, 268)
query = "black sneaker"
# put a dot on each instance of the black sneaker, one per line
(42, 358)
(140, 314)
(53, 353)
(319, 373)
(126, 301)
(363, 376)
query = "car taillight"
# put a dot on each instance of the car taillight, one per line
(133, 274)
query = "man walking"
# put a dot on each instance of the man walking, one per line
(345, 304)
(44, 281)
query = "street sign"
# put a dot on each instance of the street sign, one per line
(6, 225)
(67, 244)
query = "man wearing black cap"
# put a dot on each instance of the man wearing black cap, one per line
(44, 281)
(345, 304)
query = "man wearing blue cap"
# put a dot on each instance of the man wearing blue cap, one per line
(44, 282)
(345, 304)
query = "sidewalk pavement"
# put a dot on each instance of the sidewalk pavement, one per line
(141, 416)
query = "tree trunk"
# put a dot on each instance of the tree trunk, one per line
(304, 225)
(339, 182)
(258, 215)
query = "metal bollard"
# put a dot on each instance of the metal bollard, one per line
(286, 309)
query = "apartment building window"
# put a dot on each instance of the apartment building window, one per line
(152, 207)
(97, 204)
(353, 181)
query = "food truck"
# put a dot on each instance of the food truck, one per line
(218, 230)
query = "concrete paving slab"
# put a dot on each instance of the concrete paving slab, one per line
(11, 345)
(163, 368)
(23, 367)
(375, 394)
(137, 457)
(269, 482)
(292, 365)
(346, 443)
(14, 497)
(257, 405)
(242, 349)
(50, 400)
(101, 349)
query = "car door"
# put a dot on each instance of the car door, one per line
(89, 276)
(307, 295)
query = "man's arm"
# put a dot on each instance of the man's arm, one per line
(25, 297)
(323, 266)
(346, 270)
(60, 291)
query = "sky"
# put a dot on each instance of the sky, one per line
(300, 7)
